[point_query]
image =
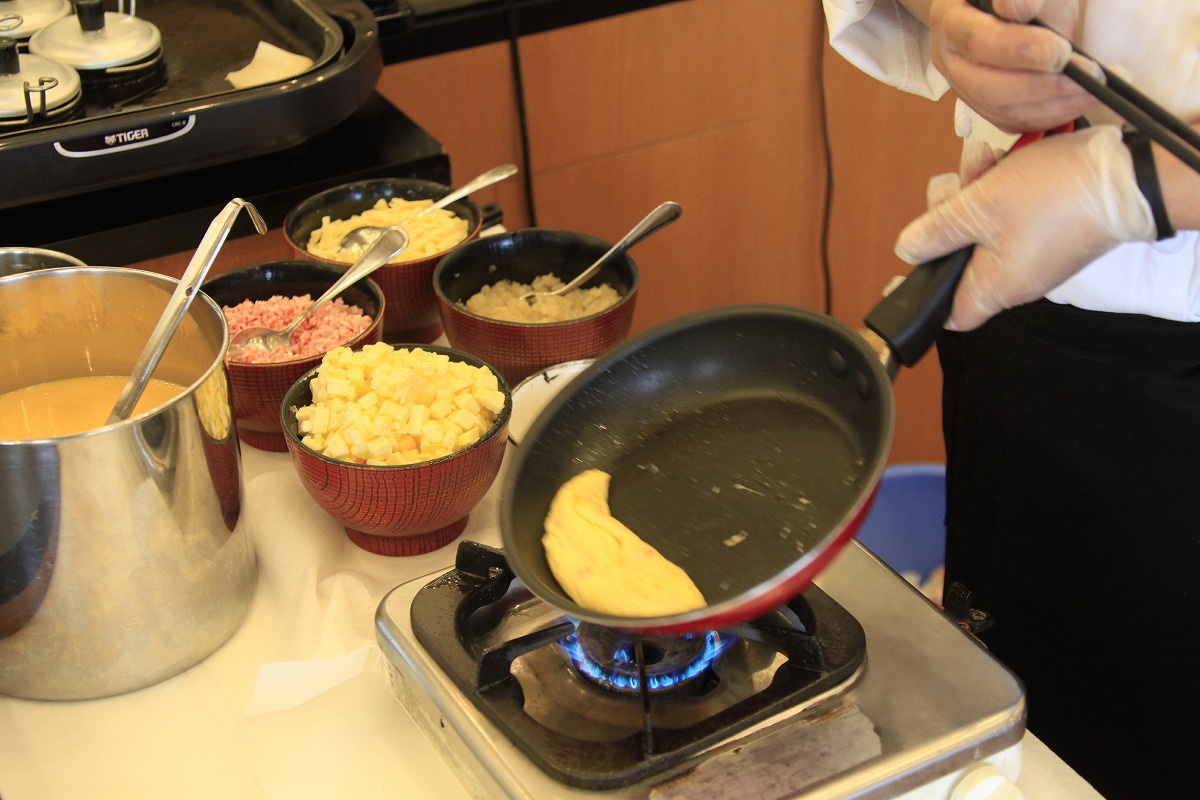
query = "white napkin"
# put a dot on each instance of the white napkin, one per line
(269, 65)
(287, 684)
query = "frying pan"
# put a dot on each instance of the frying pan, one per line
(745, 443)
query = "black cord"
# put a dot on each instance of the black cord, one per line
(514, 52)
(827, 211)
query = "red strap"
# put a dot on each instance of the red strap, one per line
(1033, 136)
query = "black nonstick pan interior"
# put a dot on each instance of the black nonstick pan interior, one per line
(744, 443)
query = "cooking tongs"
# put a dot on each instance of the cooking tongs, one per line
(1140, 111)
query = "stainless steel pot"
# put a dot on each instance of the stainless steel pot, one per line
(14, 260)
(121, 558)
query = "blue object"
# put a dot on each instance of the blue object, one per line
(906, 526)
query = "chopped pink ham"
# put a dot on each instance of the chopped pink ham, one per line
(334, 324)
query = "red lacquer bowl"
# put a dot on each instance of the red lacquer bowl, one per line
(408, 285)
(517, 350)
(402, 510)
(258, 389)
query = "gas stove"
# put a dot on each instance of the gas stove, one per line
(858, 688)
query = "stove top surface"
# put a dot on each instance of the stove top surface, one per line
(926, 701)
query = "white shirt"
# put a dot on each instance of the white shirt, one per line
(1154, 44)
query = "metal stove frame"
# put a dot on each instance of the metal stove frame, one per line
(940, 704)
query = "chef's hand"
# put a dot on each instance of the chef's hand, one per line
(1036, 218)
(1010, 72)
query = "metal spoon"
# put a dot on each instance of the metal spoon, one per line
(659, 218)
(390, 243)
(357, 239)
(178, 304)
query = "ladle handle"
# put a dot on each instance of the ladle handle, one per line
(178, 305)
(493, 175)
(664, 215)
(391, 243)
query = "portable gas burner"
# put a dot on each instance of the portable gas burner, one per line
(859, 687)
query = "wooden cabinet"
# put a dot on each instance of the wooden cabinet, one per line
(684, 102)
(726, 108)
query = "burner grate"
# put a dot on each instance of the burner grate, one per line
(627, 663)
(498, 644)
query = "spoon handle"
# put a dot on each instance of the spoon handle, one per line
(493, 175)
(391, 243)
(178, 305)
(660, 217)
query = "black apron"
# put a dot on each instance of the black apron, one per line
(1073, 515)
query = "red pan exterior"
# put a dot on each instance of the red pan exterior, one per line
(779, 594)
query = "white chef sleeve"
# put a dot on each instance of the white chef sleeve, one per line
(885, 41)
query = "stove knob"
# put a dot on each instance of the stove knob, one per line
(985, 782)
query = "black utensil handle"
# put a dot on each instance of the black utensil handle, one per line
(1175, 135)
(912, 315)
(984, 5)
(90, 14)
(10, 60)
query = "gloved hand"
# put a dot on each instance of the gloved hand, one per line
(1036, 218)
(1010, 73)
(977, 158)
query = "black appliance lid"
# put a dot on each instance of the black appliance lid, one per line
(197, 119)
(20, 19)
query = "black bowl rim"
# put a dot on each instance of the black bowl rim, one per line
(335, 272)
(466, 247)
(498, 424)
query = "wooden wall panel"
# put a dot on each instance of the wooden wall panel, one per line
(710, 109)
(885, 147)
(253, 249)
(727, 248)
(720, 111)
(682, 102)
(467, 101)
(672, 71)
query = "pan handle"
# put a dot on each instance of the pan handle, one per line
(912, 315)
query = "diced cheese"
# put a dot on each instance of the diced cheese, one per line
(417, 415)
(391, 406)
(432, 432)
(491, 399)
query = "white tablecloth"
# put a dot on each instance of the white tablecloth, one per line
(322, 722)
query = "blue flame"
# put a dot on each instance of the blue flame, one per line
(625, 674)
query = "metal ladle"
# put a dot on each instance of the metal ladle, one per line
(357, 239)
(659, 218)
(391, 243)
(178, 304)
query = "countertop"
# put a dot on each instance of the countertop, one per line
(295, 705)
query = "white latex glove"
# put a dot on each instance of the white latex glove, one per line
(977, 158)
(1010, 73)
(1036, 218)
